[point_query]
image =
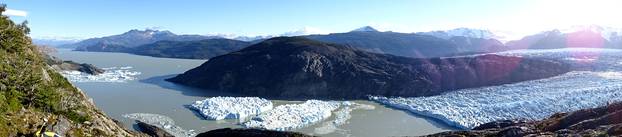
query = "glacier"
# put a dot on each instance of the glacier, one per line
(162, 122)
(218, 108)
(587, 59)
(596, 81)
(112, 74)
(293, 116)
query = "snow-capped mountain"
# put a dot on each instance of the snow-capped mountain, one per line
(587, 36)
(465, 32)
(365, 29)
(607, 33)
(54, 41)
(132, 38)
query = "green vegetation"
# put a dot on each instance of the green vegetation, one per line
(27, 83)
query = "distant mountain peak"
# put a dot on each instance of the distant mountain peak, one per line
(365, 29)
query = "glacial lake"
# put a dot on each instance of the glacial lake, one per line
(149, 93)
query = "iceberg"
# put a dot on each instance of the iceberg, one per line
(112, 74)
(218, 108)
(291, 116)
(531, 100)
(163, 122)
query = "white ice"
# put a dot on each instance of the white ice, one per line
(293, 116)
(113, 74)
(599, 85)
(218, 108)
(162, 122)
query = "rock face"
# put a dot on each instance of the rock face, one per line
(606, 120)
(228, 132)
(152, 130)
(61, 65)
(296, 67)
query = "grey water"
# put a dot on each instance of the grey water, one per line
(149, 93)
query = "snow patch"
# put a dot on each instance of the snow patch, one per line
(162, 122)
(292, 116)
(218, 108)
(112, 74)
(532, 100)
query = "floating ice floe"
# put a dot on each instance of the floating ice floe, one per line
(163, 122)
(341, 117)
(113, 74)
(218, 108)
(292, 116)
(531, 100)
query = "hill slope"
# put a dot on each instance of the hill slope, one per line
(31, 91)
(296, 67)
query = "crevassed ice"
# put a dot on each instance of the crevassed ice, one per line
(591, 59)
(530, 100)
(162, 122)
(112, 74)
(292, 116)
(218, 108)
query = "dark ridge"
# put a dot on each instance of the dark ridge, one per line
(300, 68)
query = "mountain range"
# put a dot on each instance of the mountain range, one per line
(130, 39)
(460, 41)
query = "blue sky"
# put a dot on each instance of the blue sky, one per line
(95, 18)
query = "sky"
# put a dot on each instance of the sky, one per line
(97, 18)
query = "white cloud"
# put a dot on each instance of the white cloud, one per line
(12, 12)
(305, 31)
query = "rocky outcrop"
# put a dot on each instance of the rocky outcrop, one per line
(152, 130)
(296, 67)
(602, 121)
(228, 132)
(61, 65)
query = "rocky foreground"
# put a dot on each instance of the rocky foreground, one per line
(602, 121)
(296, 67)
